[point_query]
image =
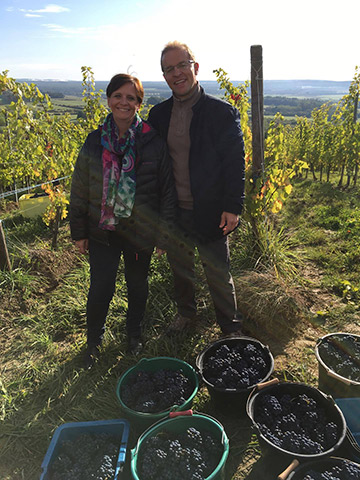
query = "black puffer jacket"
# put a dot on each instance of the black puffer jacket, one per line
(216, 160)
(155, 197)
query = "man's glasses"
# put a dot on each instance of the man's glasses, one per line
(180, 66)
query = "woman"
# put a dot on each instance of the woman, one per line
(122, 201)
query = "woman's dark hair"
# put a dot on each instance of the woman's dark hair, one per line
(120, 79)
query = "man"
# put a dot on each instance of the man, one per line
(205, 142)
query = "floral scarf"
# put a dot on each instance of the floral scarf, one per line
(119, 175)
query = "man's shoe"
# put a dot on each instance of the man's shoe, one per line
(135, 345)
(235, 329)
(180, 324)
(236, 333)
(90, 357)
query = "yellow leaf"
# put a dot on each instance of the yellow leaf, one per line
(288, 189)
(277, 206)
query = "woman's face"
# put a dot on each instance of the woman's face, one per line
(124, 104)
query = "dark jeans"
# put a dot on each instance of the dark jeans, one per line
(104, 263)
(215, 257)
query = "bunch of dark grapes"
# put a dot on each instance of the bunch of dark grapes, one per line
(237, 365)
(342, 471)
(153, 392)
(341, 353)
(191, 455)
(87, 456)
(295, 423)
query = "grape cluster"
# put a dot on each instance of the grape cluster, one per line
(87, 456)
(342, 471)
(153, 392)
(295, 423)
(190, 455)
(237, 365)
(341, 353)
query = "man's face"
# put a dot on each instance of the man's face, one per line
(182, 78)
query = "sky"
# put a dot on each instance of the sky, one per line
(311, 39)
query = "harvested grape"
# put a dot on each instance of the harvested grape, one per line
(341, 353)
(235, 366)
(191, 455)
(153, 392)
(87, 456)
(295, 423)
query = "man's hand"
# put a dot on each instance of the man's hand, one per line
(82, 245)
(160, 252)
(228, 222)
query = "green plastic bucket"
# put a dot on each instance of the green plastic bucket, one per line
(179, 423)
(142, 419)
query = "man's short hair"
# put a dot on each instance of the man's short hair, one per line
(177, 45)
(120, 79)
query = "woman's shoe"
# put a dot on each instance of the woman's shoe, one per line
(181, 324)
(91, 356)
(135, 345)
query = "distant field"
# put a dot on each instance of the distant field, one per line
(68, 101)
(294, 101)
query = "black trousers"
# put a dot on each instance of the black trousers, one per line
(215, 258)
(104, 263)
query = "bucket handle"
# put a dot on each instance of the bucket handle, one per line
(185, 413)
(172, 415)
(283, 476)
(269, 383)
(332, 374)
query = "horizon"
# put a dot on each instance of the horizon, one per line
(200, 81)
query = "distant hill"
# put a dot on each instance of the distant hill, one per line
(305, 88)
(299, 88)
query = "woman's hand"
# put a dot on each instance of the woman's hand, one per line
(82, 245)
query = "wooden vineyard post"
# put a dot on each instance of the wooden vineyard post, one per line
(257, 109)
(356, 102)
(4, 256)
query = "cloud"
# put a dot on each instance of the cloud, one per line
(33, 15)
(72, 31)
(51, 8)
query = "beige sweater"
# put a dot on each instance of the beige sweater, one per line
(179, 145)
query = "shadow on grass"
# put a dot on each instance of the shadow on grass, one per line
(70, 394)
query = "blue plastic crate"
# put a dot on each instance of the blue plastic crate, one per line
(118, 428)
(351, 410)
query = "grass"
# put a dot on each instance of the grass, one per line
(42, 324)
(326, 221)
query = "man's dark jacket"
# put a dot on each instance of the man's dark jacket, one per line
(155, 197)
(216, 159)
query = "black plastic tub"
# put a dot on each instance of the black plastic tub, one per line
(321, 466)
(329, 409)
(233, 400)
(330, 380)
